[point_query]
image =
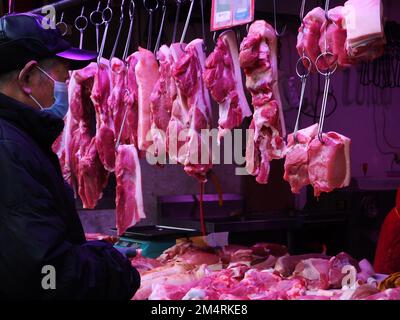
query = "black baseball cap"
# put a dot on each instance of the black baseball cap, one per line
(25, 37)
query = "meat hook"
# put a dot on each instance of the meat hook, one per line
(164, 10)
(203, 28)
(11, 6)
(282, 32)
(81, 23)
(178, 10)
(187, 22)
(96, 18)
(303, 77)
(62, 26)
(121, 23)
(150, 11)
(107, 15)
(327, 76)
(129, 38)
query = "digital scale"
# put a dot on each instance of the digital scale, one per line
(153, 240)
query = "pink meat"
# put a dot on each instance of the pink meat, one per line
(187, 73)
(129, 200)
(131, 100)
(147, 74)
(315, 271)
(296, 162)
(336, 265)
(105, 136)
(310, 35)
(224, 80)
(117, 101)
(329, 162)
(92, 177)
(162, 99)
(258, 57)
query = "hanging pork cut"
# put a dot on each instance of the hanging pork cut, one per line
(309, 37)
(329, 162)
(259, 59)
(116, 101)
(92, 178)
(162, 99)
(178, 125)
(105, 136)
(129, 201)
(188, 74)
(296, 161)
(224, 80)
(335, 42)
(363, 20)
(87, 174)
(146, 71)
(131, 100)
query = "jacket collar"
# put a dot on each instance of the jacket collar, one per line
(42, 127)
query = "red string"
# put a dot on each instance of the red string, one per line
(203, 225)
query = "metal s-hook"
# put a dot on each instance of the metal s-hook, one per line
(215, 37)
(164, 10)
(81, 23)
(178, 10)
(303, 77)
(96, 18)
(150, 32)
(327, 76)
(187, 22)
(121, 23)
(62, 26)
(107, 15)
(203, 28)
(128, 40)
(278, 33)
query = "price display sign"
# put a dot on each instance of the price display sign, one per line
(229, 13)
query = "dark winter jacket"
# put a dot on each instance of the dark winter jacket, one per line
(39, 225)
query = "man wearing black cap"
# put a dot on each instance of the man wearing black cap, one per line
(43, 252)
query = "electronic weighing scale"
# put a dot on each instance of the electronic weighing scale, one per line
(153, 240)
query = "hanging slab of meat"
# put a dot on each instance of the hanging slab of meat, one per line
(309, 37)
(329, 162)
(365, 33)
(87, 173)
(93, 178)
(161, 101)
(188, 72)
(105, 137)
(296, 162)
(147, 74)
(129, 200)
(179, 122)
(335, 42)
(131, 100)
(259, 59)
(224, 80)
(116, 101)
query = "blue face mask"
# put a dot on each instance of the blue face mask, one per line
(60, 106)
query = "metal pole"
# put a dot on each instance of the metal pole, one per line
(11, 6)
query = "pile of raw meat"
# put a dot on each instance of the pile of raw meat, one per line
(261, 272)
(353, 33)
